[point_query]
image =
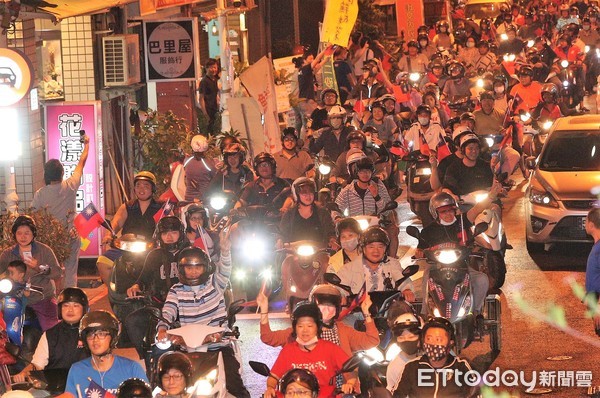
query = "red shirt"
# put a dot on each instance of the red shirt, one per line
(324, 360)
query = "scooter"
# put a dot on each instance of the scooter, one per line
(418, 185)
(489, 245)
(220, 204)
(449, 293)
(302, 269)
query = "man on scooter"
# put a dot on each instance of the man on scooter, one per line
(374, 267)
(266, 187)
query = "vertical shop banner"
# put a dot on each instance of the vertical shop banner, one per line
(258, 80)
(409, 16)
(171, 50)
(328, 70)
(338, 22)
(64, 122)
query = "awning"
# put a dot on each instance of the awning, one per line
(72, 8)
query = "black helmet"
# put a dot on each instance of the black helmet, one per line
(327, 294)
(232, 150)
(146, 176)
(328, 91)
(174, 360)
(550, 88)
(99, 320)
(195, 208)
(289, 131)
(365, 164)
(72, 295)
(441, 24)
(302, 182)
(167, 224)
(24, 220)
(438, 322)
(301, 376)
(375, 234)
(439, 200)
(422, 36)
(526, 70)
(423, 30)
(413, 43)
(377, 104)
(456, 70)
(356, 135)
(194, 256)
(264, 157)
(306, 309)
(134, 388)
(423, 109)
(347, 223)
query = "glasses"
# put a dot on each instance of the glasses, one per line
(100, 334)
(176, 377)
(291, 139)
(298, 393)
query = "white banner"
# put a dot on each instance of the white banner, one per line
(258, 80)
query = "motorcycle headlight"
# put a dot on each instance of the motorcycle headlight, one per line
(218, 202)
(437, 313)
(364, 224)
(503, 37)
(373, 356)
(586, 49)
(530, 43)
(254, 248)
(204, 385)
(564, 63)
(6, 286)
(240, 274)
(447, 256)
(414, 77)
(542, 198)
(547, 124)
(480, 83)
(305, 250)
(135, 246)
(565, 83)
(489, 141)
(480, 197)
(525, 117)
(425, 171)
(324, 169)
(392, 352)
(163, 344)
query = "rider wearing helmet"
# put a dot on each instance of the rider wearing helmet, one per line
(374, 267)
(266, 187)
(235, 174)
(42, 268)
(424, 127)
(437, 339)
(332, 138)
(59, 347)
(299, 382)
(457, 85)
(199, 170)
(292, 162)
(134, 388)
(548, 108)
(329, 98)
(198, 299)
(443, 37)
(99, 332)
(528, 89)
(174, 373)
(309, 349)
(385, 126)
(306, 220)
(425, 47)
(197, 229)
(485, 59)
(414, 61)
(512, 44)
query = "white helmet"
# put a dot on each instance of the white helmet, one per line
(199, 143)
(459, 130)
(353, 156)
(467, 139)
(336, 110)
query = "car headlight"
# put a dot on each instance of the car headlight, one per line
(6, 286)
(547, 124)
(324, 169)
(373, 356)
(392, 352)
(564, 63)
(305, 250)
(414, 77)
(542, 198)
(447, 256)
(218, 202)
(204, 385)
(424, 171)
(489, 141)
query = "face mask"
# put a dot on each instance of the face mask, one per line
(349, 244)
(499, 90)
(424, 121)
(435, 352)
(312, 341)
(409, 347)
(423, 43)
(446, 223)
(335, 123)
(327, 311)
(586, 27)
(470, 44)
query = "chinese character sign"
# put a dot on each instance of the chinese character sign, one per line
(339, 19)
(64, 123)
(409, 16)
(170, 50)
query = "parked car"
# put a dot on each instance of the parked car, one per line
(559, 194)
(479, 9)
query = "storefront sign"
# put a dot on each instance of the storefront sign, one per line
(64, 122)
(171, 50)
(409, 16)
(15, 76)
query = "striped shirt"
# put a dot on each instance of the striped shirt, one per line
(205, 305)
(357, 206)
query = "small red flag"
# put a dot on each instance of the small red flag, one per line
(400, 95)
(362, 293)
(88, 220)
(94, 390)
(164, 211)
(442, 149)
(424, 147)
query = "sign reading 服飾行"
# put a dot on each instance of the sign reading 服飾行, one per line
(64, 123)
(171, 50)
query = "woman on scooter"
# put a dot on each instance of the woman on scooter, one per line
(174, 375)
(348, 233)
(196, 223)
(42, 269)
(309, 351)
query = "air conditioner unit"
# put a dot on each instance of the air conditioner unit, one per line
(121, 54)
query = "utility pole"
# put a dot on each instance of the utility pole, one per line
(225, 92)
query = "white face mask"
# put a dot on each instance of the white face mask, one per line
(470, 44)
(312, 341)
(499, 90)
(424, 121)
(349, 244)
(445, 223)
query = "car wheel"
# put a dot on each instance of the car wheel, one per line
(534, 247)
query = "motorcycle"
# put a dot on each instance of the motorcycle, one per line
(220, 204)
(208, 367)
(366, 221)
(459, 104)
(538, 133)
(302, 269)
(489, 245)
(568, 77)
(418, 185)
(449, 293)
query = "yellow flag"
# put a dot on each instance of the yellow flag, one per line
(339, 19)
(84, 244)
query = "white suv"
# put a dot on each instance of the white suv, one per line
(559, 194)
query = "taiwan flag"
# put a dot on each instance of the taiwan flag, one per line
(96, 391)
(423, 146)
(442, 149)
(88, 220)
(164, 211)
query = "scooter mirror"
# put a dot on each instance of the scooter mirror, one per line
(413, 231)
(390, 206)
(332, 278)
(480, 228)
(260, 368)
(410, 270)
(351, 364)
